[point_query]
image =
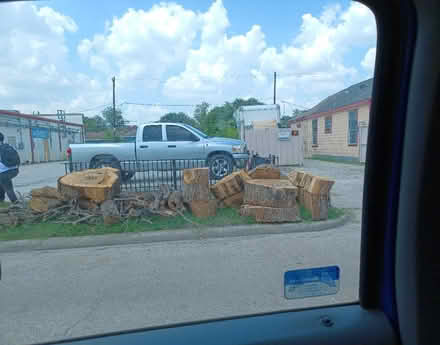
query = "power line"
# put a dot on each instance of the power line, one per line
(94, 108)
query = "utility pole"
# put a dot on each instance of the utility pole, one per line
(114, 107)
(274, 87)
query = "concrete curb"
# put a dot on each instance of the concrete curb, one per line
(167, 235)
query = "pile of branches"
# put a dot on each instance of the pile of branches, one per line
(48, 205)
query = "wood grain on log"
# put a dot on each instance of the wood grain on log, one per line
(271, 214)
(320, 185)
(270, 193)
(196, 176)
(317, 204)
(230, 185)
(93, 184)
(203, 208)
(195, 192)
(46, 192)
(234, 201)
(295, 177)
(175, 201)
(265, 172)
(41, 205)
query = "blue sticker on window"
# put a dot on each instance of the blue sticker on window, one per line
(311, 282)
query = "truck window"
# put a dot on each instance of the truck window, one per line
(152, 133)
(177, 133)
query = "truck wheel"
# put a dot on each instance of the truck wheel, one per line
(220, 165)
(111, 162)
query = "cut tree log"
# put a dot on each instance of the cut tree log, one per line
(317, 204)
(46, 192)
(230, 185)
(195, 192)
(42, 205)
(320, 185)
(270, 193)
(110, 212)
(295, 177)
(271, 214)
(234, 201)
(93, 184)
(303, 183)
(196, 176)
(265, 172)
(88, 205)
(203, 208)
(175, 201)
(196, 185)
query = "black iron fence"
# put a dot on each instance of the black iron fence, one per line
(150, 175)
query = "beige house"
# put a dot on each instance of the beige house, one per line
(337, 127)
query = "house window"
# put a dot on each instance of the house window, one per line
(353, 127)
(328, 124)
(315, 132)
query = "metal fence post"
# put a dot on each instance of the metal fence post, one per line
(174, 174)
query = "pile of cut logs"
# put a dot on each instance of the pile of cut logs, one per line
(93, 196)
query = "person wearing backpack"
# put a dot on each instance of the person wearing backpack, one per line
(9, 163)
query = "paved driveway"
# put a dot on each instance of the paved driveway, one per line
(349, 181)
(38, 175)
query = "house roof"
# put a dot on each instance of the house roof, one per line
(356, 93)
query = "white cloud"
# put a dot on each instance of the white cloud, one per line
(369, 60)
(170, 54)
(34, 71)
(309, 68)
(142, 43)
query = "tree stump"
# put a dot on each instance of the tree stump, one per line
(264, 214)
(196, 185)
(234, 201)
(42, 205)
(198, 176)
(97, 185)
(175, 201)
(265, 172)
(230, 185)
(320, 185)
(317, 204)
(270, 193)
(203, 208)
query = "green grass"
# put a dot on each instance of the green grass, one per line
(335, 160)
(225, 216)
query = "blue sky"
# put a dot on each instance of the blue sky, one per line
(181, 52)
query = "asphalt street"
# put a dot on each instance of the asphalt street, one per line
(48, 295)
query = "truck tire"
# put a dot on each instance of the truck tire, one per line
(111, 162)
(220, 165)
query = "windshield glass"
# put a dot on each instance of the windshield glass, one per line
(198, 131)
(171, 229)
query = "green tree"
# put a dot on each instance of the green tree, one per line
(219, 121)
(94, 124)
(113, 120)
(179, 117)
(284, 121)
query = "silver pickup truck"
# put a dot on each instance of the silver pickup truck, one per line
(162, 141)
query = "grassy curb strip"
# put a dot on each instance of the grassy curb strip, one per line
(225, 217)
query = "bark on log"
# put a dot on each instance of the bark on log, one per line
(271, 214)
(203, 208)
(88, 205)
(42, 205)
(317, 204)
(175, 201)
(230, 185)
(234, 201)
(265, 172)
(196, 176)
(110, 212)
(270, 193)
(93, 184)
(195, 192)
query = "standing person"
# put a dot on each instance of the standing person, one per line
(9, 163)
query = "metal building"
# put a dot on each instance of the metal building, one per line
(40, 138)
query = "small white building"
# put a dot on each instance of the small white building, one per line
(258, 126)
(40, 138)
